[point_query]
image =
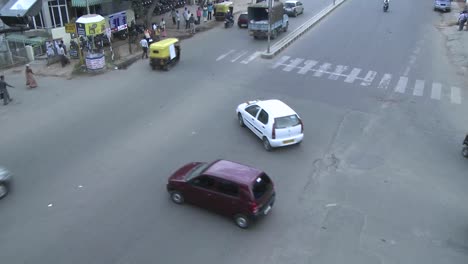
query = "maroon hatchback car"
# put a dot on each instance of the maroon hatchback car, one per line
(229, 188)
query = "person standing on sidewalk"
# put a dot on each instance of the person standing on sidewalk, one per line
(144, 47)
(162, 26)
(198, 15)
(173, 15)
(186, 18)
(462, 20)
(178, 19)
(192, 24)
(4, 92)
(205, 13)
(210, 10)
(30, 80)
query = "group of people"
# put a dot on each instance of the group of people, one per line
(30, 83)
(61, 52)
(189, 17)
(152, 35)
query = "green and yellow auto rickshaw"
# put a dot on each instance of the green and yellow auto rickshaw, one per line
(164, 53)
(221, 9)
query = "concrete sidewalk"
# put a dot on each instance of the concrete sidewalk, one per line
(122, 55)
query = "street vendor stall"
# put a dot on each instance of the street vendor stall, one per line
(88, 27)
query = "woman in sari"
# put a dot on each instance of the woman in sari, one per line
(30, 80)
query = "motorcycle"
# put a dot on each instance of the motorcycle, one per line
(385, 7)
(228, 23)
(465, 147)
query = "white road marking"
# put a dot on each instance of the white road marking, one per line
(436, 91)
(352, 75)
(322, 69)
(239, 56)
(224, 55)
(418, 88)
(331, 205)
(308, 64)
(401, 85)
(455, 95)
(385, 81)
(293, 65)
(49, 205)
(338, 72)
(80, 186)
(408, 68)
(280, 62)
(369, 78)
(251, 57)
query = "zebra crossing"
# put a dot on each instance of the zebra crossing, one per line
(353, 75)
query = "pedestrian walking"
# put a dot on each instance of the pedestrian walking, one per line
(30, 80)
(205, 13)
(462, 20)
(144, 47)
(63, 58)
(178, 19)
(198, 15)
(162, 26)
(4, 91)
(210, 10)
(147, 35)
(64, 47)
(188, 18)
(192, 24)
(174, 16)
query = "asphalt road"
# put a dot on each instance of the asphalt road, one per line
(378, 179)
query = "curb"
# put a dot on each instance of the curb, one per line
(295, 34)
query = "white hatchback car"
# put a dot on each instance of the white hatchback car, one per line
(273, 121)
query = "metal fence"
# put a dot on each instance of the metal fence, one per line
(12, 53)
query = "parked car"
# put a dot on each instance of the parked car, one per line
(443, 5)
(5, 181)
(243, 20)
(272, 121)
(293, 8)
(238, 191)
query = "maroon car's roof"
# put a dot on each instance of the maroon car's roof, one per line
(233, 171)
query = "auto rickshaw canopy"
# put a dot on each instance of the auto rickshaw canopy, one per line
(224, 7)
(161, 49)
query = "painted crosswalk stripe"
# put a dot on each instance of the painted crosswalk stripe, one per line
(224, 55)
(369, 78)
(291, 66)
(455, 95)
(385, 81)
(352, 75)
(251, 57)
(239, 55)
(436, 91)
(308, 64)
(401, 85)
(338, 72)
(418, 88)
(322, 69)
(280, 62)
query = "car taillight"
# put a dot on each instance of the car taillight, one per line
(254, 208)
(273, 131)
(302, 125)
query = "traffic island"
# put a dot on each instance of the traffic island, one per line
(295, 34)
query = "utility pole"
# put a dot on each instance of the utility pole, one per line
(87, 6)
(269, 24)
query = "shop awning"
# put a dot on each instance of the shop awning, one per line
(82, 3)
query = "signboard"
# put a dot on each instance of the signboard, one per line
(118, 21)
(91, 29)
(70, 28)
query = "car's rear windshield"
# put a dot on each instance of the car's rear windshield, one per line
(262, 185)
(287, 121)
(289, 5)
(243, 16)
(197, 170)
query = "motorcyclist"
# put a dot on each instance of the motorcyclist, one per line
(386, 2)
(229, 17)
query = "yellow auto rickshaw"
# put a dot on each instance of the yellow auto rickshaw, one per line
(164, 53)
(221, 9)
